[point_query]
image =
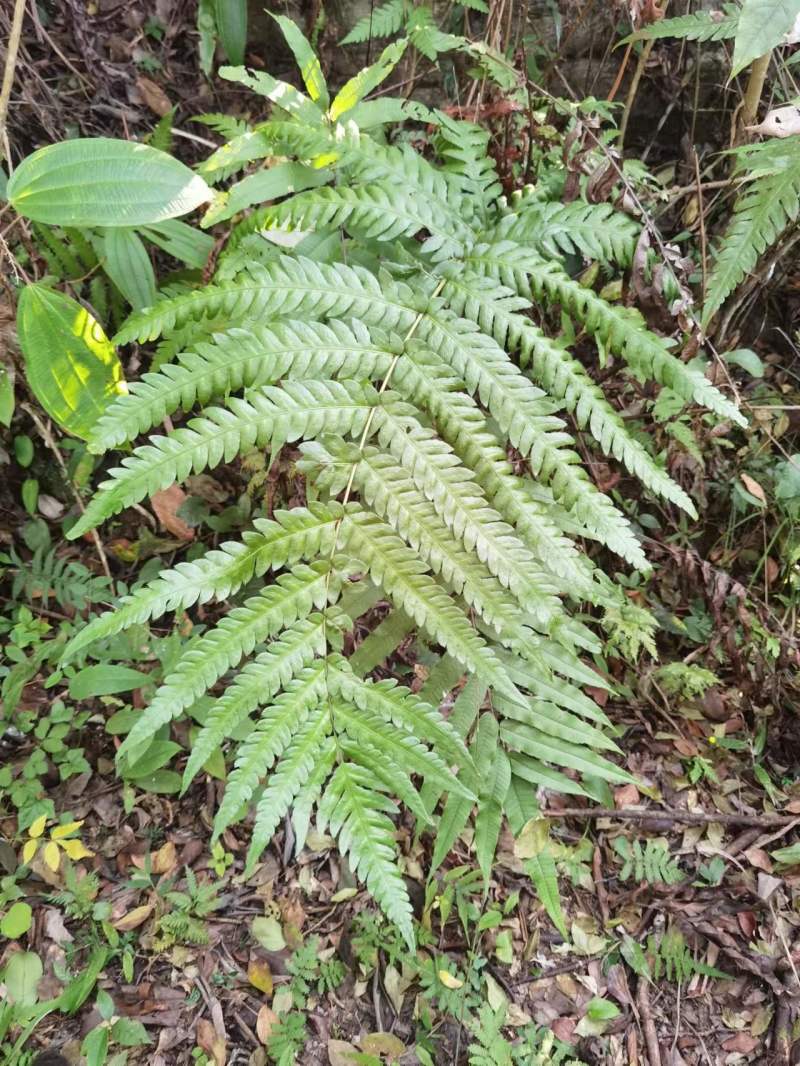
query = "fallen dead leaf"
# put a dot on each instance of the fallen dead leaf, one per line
(760, 859)
(341, 1053)
(266, 1019)
(744, 1043)
(260, 976)
(54, 928)
(154, 96)
(383, 1044)
(753, 487)
(133, 919)
(626, 796)
(210, 1042)
(166, 505)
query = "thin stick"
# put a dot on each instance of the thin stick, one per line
(47, 437)
(702, 217)
(11, 64)
(629, 814)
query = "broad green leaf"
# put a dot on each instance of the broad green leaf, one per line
(17, 920)
(542, 871)
(762, 26)
(99, 181)
(71, 366)
(231, 19)
(95, 1046)
(353, 91)
(157, 754)
(181, 241)
(264, 185)
(207, 29)
(6, 397)
(279, 92)
(104, 680)
(21, 976)
(789, 856)
(307, 61)
(128, 265)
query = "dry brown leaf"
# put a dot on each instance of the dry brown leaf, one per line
(760, 859)
(267, 1018)
(133, 919)
(744, 1043)
(209, 1041)
(341, 1053)
(154, 96)
(166, 505)
(780, 122)
(626, 796)
(753, 487)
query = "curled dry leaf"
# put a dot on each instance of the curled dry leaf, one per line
(265, 1022)
(154, 96)
(209, 1041)
(133, 919)
(166, 505)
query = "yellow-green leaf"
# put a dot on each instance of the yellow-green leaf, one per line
(62, 831)
(51, 855)
(71, 366)
(37, 826)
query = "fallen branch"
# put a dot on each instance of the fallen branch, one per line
(636, 814)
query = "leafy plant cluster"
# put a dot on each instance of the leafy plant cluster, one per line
(379, 314)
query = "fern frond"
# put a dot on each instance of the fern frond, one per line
(462, 505)
(401, 573)
(763, 210)
(289, 287)
(241, 359)
(423, 376)
(699, 26)
(370, 211)
(402, 749)
(357, 812)
(292, 773)
(530, 741)
(258, 681)
(399, 705)
(595, 231)
(382, 21)
(293, 596)
(464, 148)
(394, 779)
(564, 377)
(303, 533)
(622, 329)
(270, 417)
(394, 497)
(302, 699)
(310, 793)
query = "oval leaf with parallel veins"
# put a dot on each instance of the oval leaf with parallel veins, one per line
(100, 181)
(70, 364)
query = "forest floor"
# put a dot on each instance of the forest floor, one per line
(205, 960)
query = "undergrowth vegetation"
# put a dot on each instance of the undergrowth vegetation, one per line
(397, 347)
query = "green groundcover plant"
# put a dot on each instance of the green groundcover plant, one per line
(373, 307)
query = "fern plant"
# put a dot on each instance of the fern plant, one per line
(396, 347)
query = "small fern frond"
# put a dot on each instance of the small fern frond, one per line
(763, 210)
(240, 359)
(270, 417)
(374, 212)
(294, 596)
(699, 26)
(303, 533)
(302, 699)
(562, 376)
(258, 681)
(622, 329)
(595, 231)
(357, 811)
(464, 148)
(382, 21)
(401, 573)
